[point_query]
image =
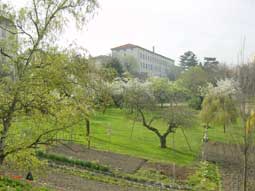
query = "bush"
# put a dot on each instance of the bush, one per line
(66, 160)
(195, 102)
(7, 184)
(206, 178)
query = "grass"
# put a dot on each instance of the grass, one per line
(7, 184)
(111, 131)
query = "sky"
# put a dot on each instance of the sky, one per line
(209, 28)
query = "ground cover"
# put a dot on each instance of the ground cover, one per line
(116, 132)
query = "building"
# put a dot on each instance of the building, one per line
(149, 62)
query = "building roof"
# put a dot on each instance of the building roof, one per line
(130, 46)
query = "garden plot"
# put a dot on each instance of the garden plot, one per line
(178, 172)
(121, 162)
(229, 156)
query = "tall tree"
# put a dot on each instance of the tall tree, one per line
(211, 66)
(188, 59)
(39, 94)
(138, 97)
(116, 65)
(219, 105)
(245, 74)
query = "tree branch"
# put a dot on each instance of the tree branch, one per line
(147, 125)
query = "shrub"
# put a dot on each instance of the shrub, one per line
(206, 178)
(195, 102)
(7, 184)
(69, 161)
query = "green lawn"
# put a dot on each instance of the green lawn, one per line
(111, 131)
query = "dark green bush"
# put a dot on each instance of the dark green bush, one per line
(195, 102)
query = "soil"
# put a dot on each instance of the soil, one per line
(174, 171)
(121, 162)
(59, 180)
(229, 157)
(67, 182)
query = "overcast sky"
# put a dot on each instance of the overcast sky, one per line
(213, 28)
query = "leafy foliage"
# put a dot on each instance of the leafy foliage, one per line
(188, 59)
(7, 184)
(38, 91)
(70, 161)
(219, 105)
(207, 178)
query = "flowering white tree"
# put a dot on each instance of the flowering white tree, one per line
(139, 97)
(219, 105)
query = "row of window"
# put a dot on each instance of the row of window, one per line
(152, 58)
(150, 67)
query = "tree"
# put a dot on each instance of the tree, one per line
(130, 64)
(193, 80)
(188, 59)
(245, 76)
(39, 94)
(139, 98)
(173, 72)
(214, 70)
(160, 90)
(219, 105)
(116, 65)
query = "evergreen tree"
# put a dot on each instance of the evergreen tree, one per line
(188, 59)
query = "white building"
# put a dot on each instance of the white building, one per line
(149, 62)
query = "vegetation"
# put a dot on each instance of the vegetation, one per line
(207, 177)
(188, 59)
(70, 161)
(50, 95)
(40, 78)
(7, 184)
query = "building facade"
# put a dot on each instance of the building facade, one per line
(148, 61)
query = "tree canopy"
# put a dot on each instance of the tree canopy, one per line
(188, 59)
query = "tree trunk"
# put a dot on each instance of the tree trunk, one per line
(6, 126)
(162, 142)
(88, 132)
(224, 128)
(245, 171)
(1, 159)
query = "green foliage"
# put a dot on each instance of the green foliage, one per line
(130, 64)
(25, 160)
(206, 178)
(7, 184)
(161, 89)
(115, 64)
(219, 105)
(188, 59)
(70, 161)
(195, 102)
(193, 80)
(40, 84)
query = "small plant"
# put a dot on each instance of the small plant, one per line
(8, 184)
(206, 178)
(70, 161)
